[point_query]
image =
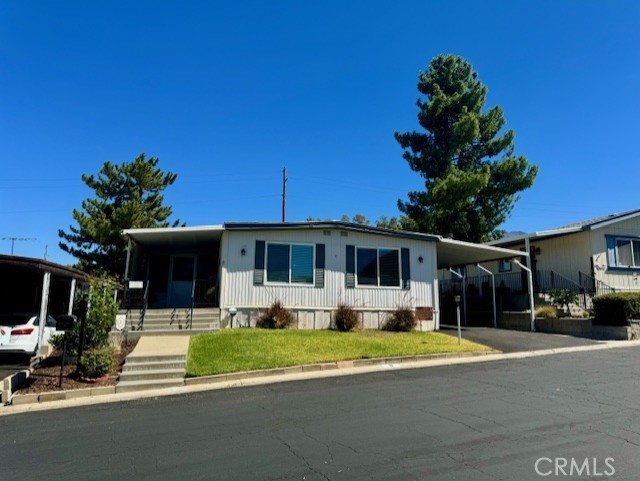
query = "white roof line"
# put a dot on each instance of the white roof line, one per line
(497, 250)
(613, 221)
(200, 228)
(566, 230)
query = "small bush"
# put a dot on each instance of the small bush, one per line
(346, 318)
(276, 317)
(564, 297)
(97, 362)
(546, 312)
(403, 319)
(616, 309)
(585, 314)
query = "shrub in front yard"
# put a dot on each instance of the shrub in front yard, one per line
(563, 297)
(403, 319)
(276, 317)
(346, 318)
(96, 362)
(616, 309)
(100, 318)
(546, 312)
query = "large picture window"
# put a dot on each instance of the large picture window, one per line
(290, 263)
(628, 252)
(378, 267)
(623, 252)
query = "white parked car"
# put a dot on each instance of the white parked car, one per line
(19, 333)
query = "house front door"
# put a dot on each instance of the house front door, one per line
(181, 281)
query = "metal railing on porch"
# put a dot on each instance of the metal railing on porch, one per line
(204, 293)
(136, 299)
(592, 286)
(549, 281)
(511, 286)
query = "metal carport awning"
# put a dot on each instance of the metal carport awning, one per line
(455, 253)
(175, 236)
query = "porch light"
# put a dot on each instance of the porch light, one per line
(243, 252)
(420, 259)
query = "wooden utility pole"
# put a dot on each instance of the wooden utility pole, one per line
(284, 194)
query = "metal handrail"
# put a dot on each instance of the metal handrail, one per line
(204, 293)
(145, 303)
(550, 281)
(593, 286)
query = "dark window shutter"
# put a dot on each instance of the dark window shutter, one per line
(406, 270)
(319, 273)
(611, 251)
(258, 267)
(351, 267)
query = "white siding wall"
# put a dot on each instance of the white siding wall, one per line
(313, 305)
(567, 255)
(623, 280)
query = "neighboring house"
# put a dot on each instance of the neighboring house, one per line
(311, 267)
(590, 257)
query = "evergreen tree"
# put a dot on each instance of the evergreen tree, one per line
(127, 196)
(395, 223)
(471, 174)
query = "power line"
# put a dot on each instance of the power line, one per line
(14, 239)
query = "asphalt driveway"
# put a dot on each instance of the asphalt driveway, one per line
(507, 340)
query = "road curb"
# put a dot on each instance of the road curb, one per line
(32, 398)
(299, 373)
(326, 366)
(21, 399)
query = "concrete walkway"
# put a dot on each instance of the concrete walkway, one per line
(156, 362)
(160, 346)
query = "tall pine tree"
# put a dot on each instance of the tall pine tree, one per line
(127, 196)
(471, 174)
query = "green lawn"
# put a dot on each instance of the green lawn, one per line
(232, 350)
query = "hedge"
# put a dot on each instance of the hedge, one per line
(616, 309)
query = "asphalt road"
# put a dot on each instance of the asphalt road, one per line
(10, 363)
(482, 421)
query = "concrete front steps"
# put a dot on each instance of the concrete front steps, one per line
(174, 321)
(156, 362)
(152, 372)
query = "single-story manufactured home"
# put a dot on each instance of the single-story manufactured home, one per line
(223, 275)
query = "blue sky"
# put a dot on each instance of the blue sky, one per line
(227, 94)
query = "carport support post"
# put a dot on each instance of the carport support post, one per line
(493, 291)
(72, 293)
(126, 266)
(464, 294)
(44, 305)
(531, 302)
